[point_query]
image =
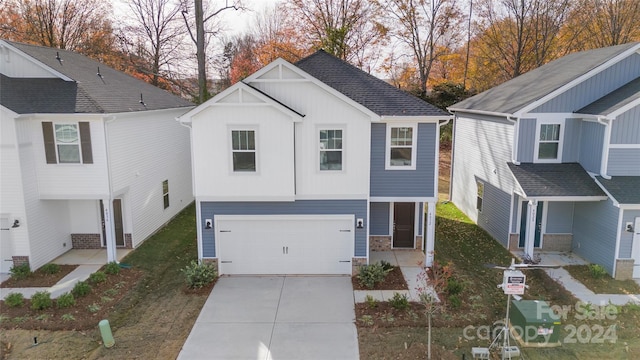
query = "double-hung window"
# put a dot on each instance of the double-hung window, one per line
(480, 195)
(401, 147)
(67, 143)
(243, 145)
(549, 142)
(165, 193)
(330, 150)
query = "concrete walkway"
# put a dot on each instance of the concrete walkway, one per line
(410, 263)
(276, 317)
(583, 294)
(65, 284)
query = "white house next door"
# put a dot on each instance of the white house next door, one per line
(635, 250)
(6, 247)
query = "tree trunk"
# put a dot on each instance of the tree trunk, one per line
(203, 93)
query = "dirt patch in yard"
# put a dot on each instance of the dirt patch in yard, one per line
(393, 281)
(39, 278)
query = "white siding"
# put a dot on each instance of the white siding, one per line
(85, 217)
(13, 64)
(69, 181)
(480, 148)
(324, 110)
(144, 150)
(11, 191)
(214, 175)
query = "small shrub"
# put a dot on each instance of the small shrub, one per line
(81, 289)
(4, 319)
(370, 275)
(454, 287)
(41, 300)
(199, 275)
(386, 265)
(14, 300)
(367, 320)
(43, 317)
(454, 301)
(112, 268)
(399, 301)
(97, 277)
(20, 272)
(67, 317)
(65, 300)
(105, 299)
(110, 292)
(371, 301)
(597, 271)
(20, 319)
(388, 317)
(93, 308)
(50, 268)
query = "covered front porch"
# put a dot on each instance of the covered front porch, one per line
(88, 256)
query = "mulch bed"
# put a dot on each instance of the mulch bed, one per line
(39, 278)
(85, 314)
(393, 281)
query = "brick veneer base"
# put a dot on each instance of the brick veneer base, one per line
(86, 241)
(624, 269)
(419, 242)
(20, 260)
(379, 243)
(550, 242)
(356, 263)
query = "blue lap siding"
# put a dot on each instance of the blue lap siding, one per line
(358, 208)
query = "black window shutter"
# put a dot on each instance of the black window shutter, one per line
(49, 142)
(85, 142)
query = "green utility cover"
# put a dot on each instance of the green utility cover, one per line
(534, 321)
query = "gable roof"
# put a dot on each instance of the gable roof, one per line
(615, 100)
(367, 90)
(555, 180)
(114, 92)
(624, 189)
(513, 95)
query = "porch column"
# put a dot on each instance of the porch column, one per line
(109, 230)
(430, 232)
(531, 227)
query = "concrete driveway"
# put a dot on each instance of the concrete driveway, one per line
(276, 318)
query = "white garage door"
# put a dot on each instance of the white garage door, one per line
(285, 244)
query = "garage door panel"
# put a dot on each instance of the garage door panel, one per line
(297, 245)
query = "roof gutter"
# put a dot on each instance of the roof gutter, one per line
(604, 163)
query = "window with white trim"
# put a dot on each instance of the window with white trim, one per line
(401, 147)
(480, 195)
(549, 142)
(243, 145)
(330, 150)
(67, 143)
(165, 193)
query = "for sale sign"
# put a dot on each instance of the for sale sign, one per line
(513, 282)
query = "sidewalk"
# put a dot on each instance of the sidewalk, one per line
(65, 284)
(584, 294)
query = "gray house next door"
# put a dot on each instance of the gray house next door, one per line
(403, 222)
(523, 224)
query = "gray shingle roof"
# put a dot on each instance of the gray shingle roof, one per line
(115, 92)
(515, 94)
(365, 89)
(614, 100)
(35, 95)
(551, 180)
(624, 189)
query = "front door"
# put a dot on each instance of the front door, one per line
(524, 222)
(635, 248)
(403, 222)
(117, 220)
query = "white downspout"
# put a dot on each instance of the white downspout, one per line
(604, 163)
(109, 225)
(193, 187)
(516, 135)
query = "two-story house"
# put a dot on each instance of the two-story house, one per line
(301, 169)
(90, 157)
(551, 159)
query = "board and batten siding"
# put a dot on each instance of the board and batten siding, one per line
(379, 214)
(593, 88)
(144, 150)
(526, 140)
(47, 221)
(403, 183)
(626, 237)
(559, 218)
(358, 208)
(70, 181)
(594, 232)
(591, 142)
(482, 151)
(625, 128)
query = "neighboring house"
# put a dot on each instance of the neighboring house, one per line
(551, 159)
(90, 157)
(302, 169)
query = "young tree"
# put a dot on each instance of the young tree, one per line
(428, 28)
